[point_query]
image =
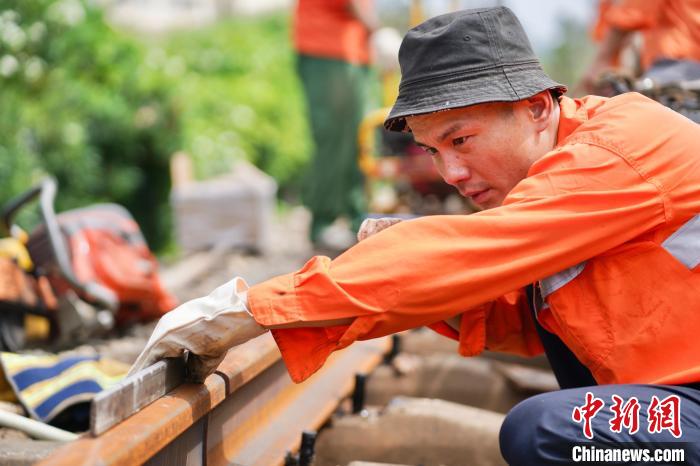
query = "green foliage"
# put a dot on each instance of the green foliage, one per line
(567, 61)
(103, 112)
(77, 104)
(239, 96)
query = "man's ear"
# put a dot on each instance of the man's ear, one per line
(540, 108)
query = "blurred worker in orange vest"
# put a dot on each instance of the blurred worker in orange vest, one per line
(587, 249)
(331, 38)
(670, 32)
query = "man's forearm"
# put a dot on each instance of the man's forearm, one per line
(365, 13)
(453, 322)
(611, 46)
(605, 58)
(317, 323)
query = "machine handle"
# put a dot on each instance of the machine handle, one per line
(101, 295)
(10, 209)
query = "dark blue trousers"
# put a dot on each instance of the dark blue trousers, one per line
(540, 431)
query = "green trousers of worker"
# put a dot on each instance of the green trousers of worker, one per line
(337, 96)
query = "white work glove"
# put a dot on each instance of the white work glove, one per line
(207, 327)
(372, 226)
(385, 43)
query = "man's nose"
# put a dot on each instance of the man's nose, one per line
(455, 171)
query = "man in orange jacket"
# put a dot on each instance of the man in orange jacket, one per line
(670, 31)
(332, 41)
(587, 248)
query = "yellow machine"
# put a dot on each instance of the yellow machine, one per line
(399, 177)
(19, 289)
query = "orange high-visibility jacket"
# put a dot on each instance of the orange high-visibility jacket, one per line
(607, 224)
(670, 28)
(328, 29)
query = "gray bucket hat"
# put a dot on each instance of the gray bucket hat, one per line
(465, 58)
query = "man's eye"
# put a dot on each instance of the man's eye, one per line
(459, 141)
(430, 150)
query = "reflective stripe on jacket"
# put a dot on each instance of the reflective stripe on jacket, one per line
(593, 223)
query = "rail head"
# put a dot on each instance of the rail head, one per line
(143, 434)
(234, 416)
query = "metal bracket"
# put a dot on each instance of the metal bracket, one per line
(132, 394)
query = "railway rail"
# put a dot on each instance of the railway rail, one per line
(248, 412)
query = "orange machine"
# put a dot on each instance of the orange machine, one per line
(85, 270)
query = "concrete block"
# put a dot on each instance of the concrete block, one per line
(365, 463)
(17, 452)
(426, 342)
(469, 381)
(414, 431)
(536, 362)
(233, 210)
